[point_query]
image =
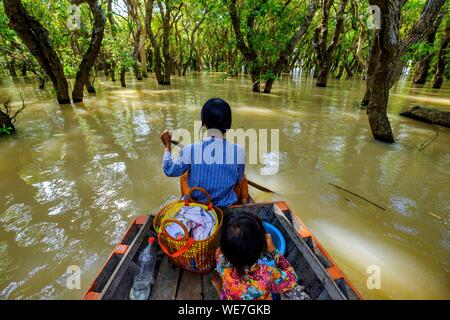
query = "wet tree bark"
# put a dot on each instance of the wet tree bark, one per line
(138, 44)
(324, 53)
(113, 72)
(161, 54)
(90, 86)
(191, 38)
(35, 37)
(41, 82)
(372, 66)
(23, 68)
(122, 77)
(442, 58)
(388, 67)
(91, 54)
(423, 66)
(428, 115)
(362, 63)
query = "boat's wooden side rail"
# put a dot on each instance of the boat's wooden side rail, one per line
(324, 257)
(122, 255)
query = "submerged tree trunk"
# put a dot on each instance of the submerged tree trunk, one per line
(89, 58)
(41, 82)
(388, 67)
(132, 6)
(442, 58)
(35, 37)
(325, 52)
(90, 86)
(113, 72)
(428, 115)
(248, 51)
(23, 68)
(161, 54)
(423, 66)
(122, 77)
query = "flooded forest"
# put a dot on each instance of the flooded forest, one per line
(359, 92)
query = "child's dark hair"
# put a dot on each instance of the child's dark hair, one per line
(243, 240)
(216, 114)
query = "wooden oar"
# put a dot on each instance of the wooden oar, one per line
(259, 187)
(253, 184)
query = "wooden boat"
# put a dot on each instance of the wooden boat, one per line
(318, 273)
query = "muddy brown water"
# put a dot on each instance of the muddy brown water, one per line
(75, 176)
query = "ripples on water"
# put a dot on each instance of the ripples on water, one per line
(74, 177)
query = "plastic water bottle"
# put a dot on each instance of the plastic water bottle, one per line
(144, 278)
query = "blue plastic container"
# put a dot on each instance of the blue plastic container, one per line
(277, 237)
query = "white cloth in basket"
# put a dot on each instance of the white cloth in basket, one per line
(199, 223)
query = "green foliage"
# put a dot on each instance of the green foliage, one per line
(202, 35)
(6, 130)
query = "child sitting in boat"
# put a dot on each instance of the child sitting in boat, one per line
(245, 271)
(221, 174)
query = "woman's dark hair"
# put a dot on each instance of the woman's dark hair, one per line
(243, 240)
(216, 114)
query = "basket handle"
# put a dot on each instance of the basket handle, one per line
(183, 249)
(207, 195)
(170, 220)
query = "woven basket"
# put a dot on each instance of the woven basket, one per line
(193, 255)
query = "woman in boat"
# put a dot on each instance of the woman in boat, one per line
(213, 164)
(245, 270)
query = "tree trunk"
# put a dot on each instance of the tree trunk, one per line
(41, 82)
(324, 51)
(137, 71)
(423, 66)
(389, 65)
(163, 69)
(136, 55)
(122, 77)
(322, 76)
(341, 71)
(348, 69)
(428, 115)
(372, 66)
(268, 85)
(442, 58)
(35, 37)
(91, 54)
(143, 54)
(113, 72)
(377, 108)
(166, 45)
(90, 87)
(23, 68)
(248, 51)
